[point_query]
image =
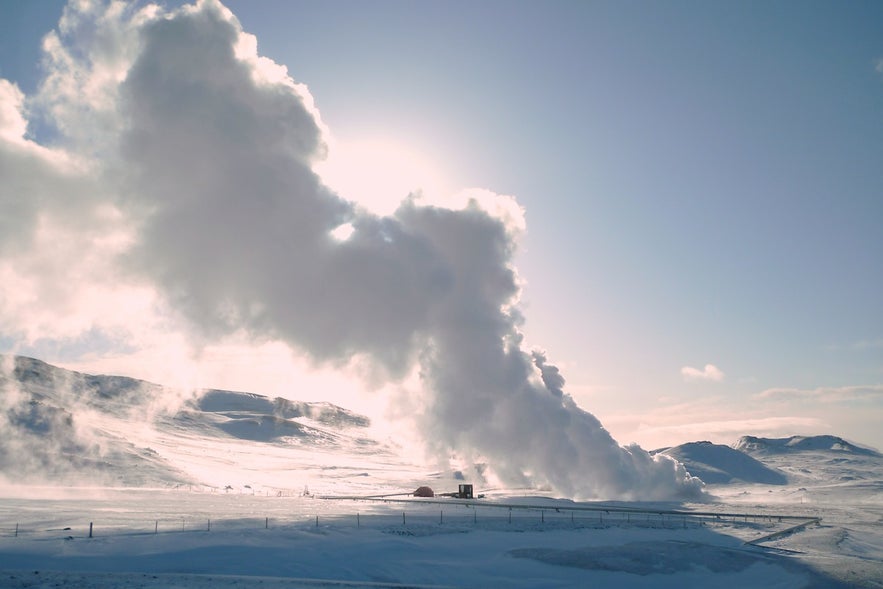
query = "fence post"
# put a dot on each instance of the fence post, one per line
(358, 521)
(209, 525)
(403, 518)
(317, 521)
(16, 530)
(441, 517)
(90, 529)
(155, 527)
(510, 515)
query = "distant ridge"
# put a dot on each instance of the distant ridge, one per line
(759, 446)
(63, 427)
(248, 416)
(719, 464)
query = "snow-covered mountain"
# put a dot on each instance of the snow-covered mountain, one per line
(759, 446)
(63, 427)
(779, 461)
(823, 461)
(717, 464)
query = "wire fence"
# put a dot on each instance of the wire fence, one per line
(397, 519)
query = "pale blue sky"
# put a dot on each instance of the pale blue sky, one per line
(703, 182)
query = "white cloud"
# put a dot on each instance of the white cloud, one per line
(826, 394)
(727, 431)
(718, 419)
(13, 125)
(709, 372)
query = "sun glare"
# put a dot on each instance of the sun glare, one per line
(378, 174)
(343, 232)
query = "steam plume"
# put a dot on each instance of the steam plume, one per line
(212, 163)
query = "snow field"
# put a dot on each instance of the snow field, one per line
(275, 542)
(109, 512)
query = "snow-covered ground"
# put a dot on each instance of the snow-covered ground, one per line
(200, 540)
(203, 537)
(235, 490)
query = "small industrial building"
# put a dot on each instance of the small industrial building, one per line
(464, 492)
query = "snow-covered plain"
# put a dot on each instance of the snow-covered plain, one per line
(234, 490)
(183, 538)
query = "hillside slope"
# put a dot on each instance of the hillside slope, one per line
(67, 428)
(63, 427)
(719, 464)
(760, 446)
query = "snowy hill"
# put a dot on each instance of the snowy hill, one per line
(248, 416)
(63, 427)
(779, 461)
(758, 446)
(254, 417)
(823, 460)
(719, 464)
(45, 383)
(54, 428)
